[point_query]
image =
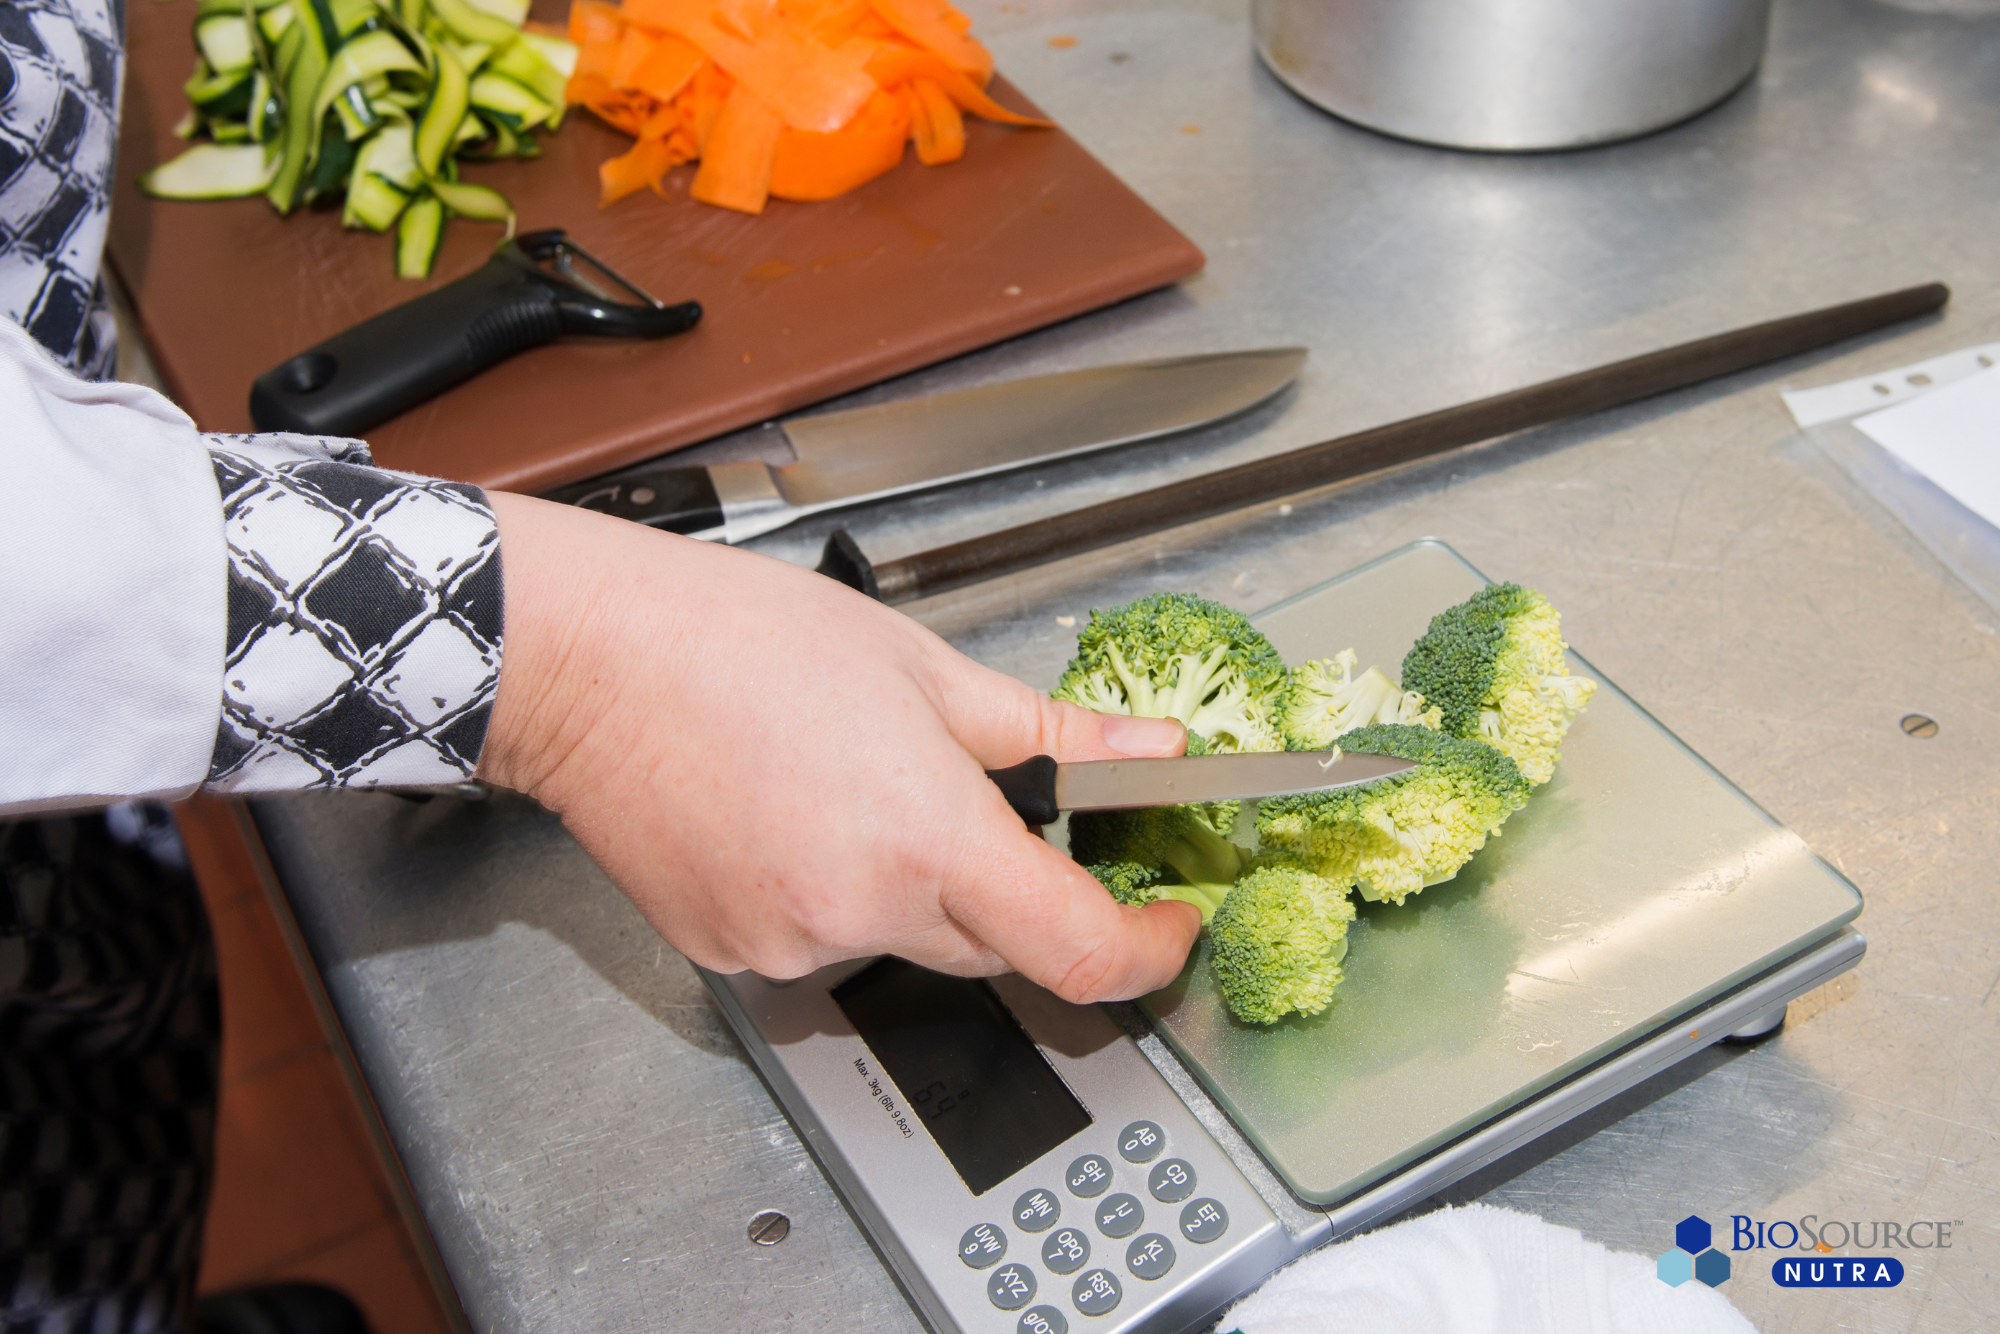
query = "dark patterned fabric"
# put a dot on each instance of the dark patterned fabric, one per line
(109, 1030)
(365, 620)
(59, 75)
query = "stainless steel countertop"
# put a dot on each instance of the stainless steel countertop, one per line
(587, 1140)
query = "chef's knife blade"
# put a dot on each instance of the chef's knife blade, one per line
(888, 449)
(1039, 788)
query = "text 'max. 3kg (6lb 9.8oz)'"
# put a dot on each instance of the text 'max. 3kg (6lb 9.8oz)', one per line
(1025, 1164)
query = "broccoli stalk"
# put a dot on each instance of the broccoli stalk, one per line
(1494, 666)
(1129, 882)
(1173, 655)
(1176, 846)
(1327, 699)
(1393, 837)
(1278, 941)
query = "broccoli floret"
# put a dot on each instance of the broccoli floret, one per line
(1278, 940)
(1139, 885)
(1173, 655)
(1395, 836)
(1188, 858)
(1326, 699)
(1494, 665)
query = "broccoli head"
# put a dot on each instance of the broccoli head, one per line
(1326, 699)
(1173, 655)
(1394, 836)
(1278, 941)
(1187, 858)
(1494, 665)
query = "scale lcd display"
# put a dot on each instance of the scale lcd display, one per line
(966, 1069)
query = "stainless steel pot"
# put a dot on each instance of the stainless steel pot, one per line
(1512, 75)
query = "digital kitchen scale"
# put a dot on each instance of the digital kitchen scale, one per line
(1023, 1163)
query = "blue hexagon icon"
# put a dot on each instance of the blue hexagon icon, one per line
(1692, 1234)
(1676, 1267)
(1712, 1268)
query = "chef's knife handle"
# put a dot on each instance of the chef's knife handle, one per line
(680, 500)
(1030, 788)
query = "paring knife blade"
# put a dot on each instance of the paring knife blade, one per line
(1039, 788)
(888, 449)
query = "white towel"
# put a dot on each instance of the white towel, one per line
(1480, 1270)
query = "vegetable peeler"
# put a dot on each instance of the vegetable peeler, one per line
(528, 294)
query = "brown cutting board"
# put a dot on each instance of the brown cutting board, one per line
(802, 303)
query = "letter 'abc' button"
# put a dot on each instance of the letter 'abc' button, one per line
(1011, 1287)
(1037, 1210)
(1204, 1220)
(983, 1244)
(1096, 1292)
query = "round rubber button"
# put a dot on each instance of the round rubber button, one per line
(1042, 1320)
(1089, 1176)
(1204, 1220)
(1037, 1210)
(1011, 1287)
(1171, 1181)
(1120, 1215)
(1096, 1292)
(1066, 1251)
(983, 1244)
(1150, 1256)
(1141, 1142)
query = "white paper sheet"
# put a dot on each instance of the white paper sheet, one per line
(1952, 436)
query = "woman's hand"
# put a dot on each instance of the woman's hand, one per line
(783, 773)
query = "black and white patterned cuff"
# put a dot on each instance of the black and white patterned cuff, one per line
(365, 619)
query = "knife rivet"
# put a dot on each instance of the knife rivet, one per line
(1919, 725)
(642, 495)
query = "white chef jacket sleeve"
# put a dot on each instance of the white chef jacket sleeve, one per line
(249, 613)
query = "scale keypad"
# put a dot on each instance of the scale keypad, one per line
(1172, 1181)
(1141, 1142)
(1088, 1176)
(1037, 1210)
(983, 1244)
(1204, 1220)
(1042, 1320)
(1011, 1287)
(1096, 1292)
(1066, 1251)
(1150, 1256)
(1117, 1214)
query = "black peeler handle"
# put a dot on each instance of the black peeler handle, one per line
(389, 364)
(1030, 788)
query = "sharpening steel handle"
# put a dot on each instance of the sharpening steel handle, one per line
(1030, 788)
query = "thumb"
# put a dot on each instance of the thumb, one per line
(1002, 721)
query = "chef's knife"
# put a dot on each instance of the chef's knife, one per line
(888, 449)
(1039, 788)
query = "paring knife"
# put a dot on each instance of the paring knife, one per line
(1039, 789)
(861, 454)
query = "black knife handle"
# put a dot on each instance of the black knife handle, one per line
(387, 365)
(680, 500)
(365, 375)
(1030, 788)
